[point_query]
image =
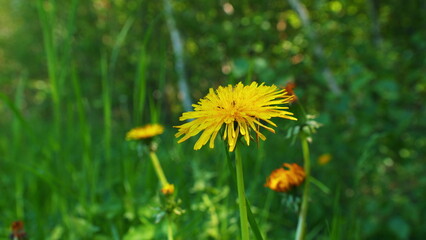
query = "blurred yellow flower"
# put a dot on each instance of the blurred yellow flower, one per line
(168, 189)
(144, 132)
(241, 108)
(282, 180)
(324, 159)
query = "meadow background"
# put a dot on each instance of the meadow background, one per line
(76, 75)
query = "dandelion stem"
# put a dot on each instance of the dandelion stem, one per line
(241, 195)
(158, 169)
(169, 228)
(164, 182)
(301, 226)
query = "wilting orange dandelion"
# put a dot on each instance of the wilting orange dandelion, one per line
(242, 109)
(289, 88)
(18, 232)
(282, 180)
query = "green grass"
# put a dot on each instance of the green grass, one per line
(68, 101)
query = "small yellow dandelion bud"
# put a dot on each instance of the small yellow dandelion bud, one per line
(324, 159)
(169, 189)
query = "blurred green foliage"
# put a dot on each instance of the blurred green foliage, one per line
(66, 170)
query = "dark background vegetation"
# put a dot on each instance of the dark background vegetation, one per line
(76, 75)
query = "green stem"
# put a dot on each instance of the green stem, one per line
(158, 169)
(241, 196)
(169, 228)
(301, 226)
(164, 182)
(252, 221)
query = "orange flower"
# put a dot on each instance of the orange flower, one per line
(282, 180)
(169, 189)
(289, 88)
(18, 232)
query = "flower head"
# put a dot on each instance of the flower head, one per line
(289, 88)
(18, 232)
(282, 180)
(324, 159)
(169, 189)
(145, 132)
(240, 108)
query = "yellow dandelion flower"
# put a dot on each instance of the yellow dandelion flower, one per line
(240, 108)
(282, 180)
(145, 132)
(324, 159)
(168, 189)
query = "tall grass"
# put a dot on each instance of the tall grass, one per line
(67, 171)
